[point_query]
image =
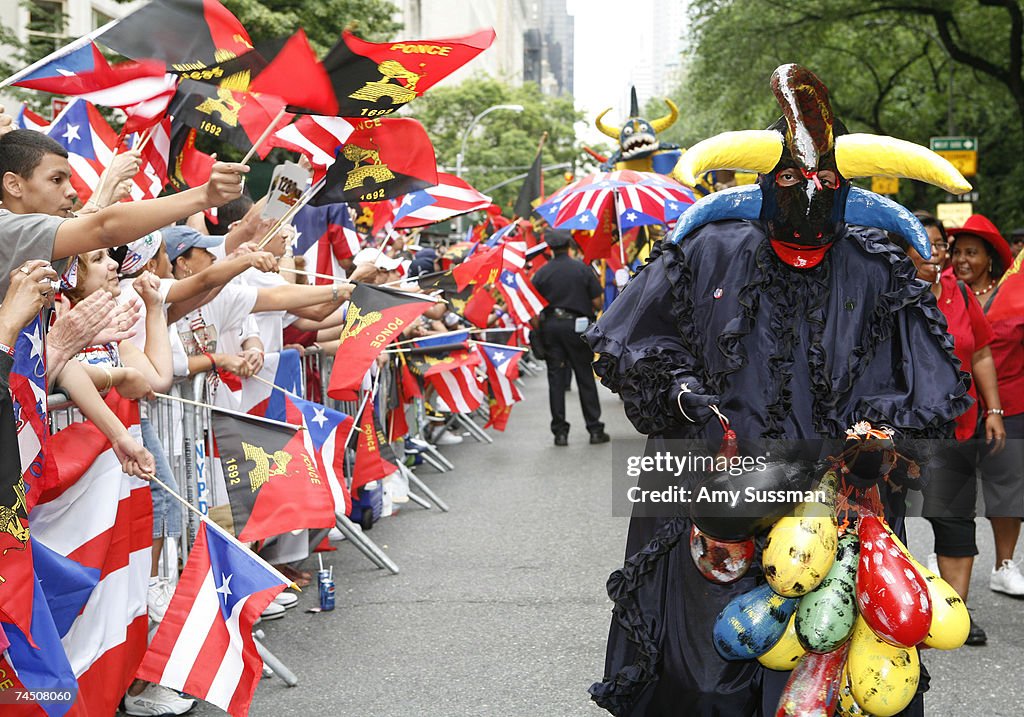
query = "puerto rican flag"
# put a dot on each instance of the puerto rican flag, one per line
(329, 431)
(27, 119)
(451, 197)
(521, 298)
(502, 364)
(204, 645)
(459, 388)
(316, 136)
(259, 398)
(29, 389)
(90, 142)
(152, 176)
(325, 236)
(92, 539)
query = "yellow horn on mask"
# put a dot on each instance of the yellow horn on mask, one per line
(872, 155)
(751, 150)
(663, 123)
(610, 131)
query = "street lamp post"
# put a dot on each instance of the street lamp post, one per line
(462, 147)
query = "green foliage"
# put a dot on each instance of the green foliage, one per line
(504, 143)
(323, 20)
(887, 65)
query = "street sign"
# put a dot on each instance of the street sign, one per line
(885, 185)
(953, 144)
(961, 152)
(954, 214)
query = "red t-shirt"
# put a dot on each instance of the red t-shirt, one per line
(1006, 315)
(970, 331)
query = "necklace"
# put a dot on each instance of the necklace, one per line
(987, 289)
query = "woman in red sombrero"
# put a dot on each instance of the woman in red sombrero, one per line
(980, 258)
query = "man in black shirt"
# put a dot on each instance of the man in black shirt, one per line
(573, 294)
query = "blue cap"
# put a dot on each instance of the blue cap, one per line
(180, 239)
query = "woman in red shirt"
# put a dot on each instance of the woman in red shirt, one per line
(980, 256)
(949, 497)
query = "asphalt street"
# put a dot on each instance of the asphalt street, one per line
(500, 607)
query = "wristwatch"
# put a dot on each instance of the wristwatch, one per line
(994, 412)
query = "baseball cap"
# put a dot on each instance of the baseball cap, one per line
(558, 238)
(373, 255)
(180, 239)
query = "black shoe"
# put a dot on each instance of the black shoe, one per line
(561, 439)
(976, 635)
(599, 437)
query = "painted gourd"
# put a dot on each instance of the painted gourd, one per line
(801, 548)
(883, 677)
(813, 688)
(891, 596)
(786, 652)
(720, 561)
(751, 623)
(825, 617)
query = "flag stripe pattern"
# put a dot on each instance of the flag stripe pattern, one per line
(522, 299)
(451, 197)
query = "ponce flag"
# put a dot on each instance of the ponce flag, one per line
(184, 34)
(229, 115)
(451, 197)
(186, 166)
(295, 75)
(371, 462)
(204, 645)
(374, 79)
(381, 159)
(92, 543)
(376, 317)
(273, 483)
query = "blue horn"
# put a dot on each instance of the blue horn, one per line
(868, 209)
(732, 203)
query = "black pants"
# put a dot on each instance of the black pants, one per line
(566, 349)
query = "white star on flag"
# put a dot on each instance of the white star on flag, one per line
(585, 219)
(225, 587)
(407, 200)
(631, 216)
(673, 205)
(318, 417)
(71, 133)
(499, 356)
(37, 344)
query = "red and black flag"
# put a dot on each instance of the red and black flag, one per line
(272, 479)
(17, 579)
(531, 191)
(376, 317)
(457, 299)
(381, 159)
(186, 34)
(371, 463)
(375, 79)
(296, 76)
(227, 114)
(187, 166)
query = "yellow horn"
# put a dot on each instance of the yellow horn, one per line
(751, 150)
(872, 155)
(610, 131)
(663, 123)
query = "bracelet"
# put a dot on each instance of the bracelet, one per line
(334, 292)
(109, 376)
(994, 412)
(213, 364)
(9, 350)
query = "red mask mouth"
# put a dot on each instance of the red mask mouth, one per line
(799, 256)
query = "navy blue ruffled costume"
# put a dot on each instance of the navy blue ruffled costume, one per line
(793, 354)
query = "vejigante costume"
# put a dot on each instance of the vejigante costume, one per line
(783, 308)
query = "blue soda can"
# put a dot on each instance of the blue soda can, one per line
(322, 575)
(326, 593)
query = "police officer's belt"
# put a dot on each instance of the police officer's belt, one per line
(560, 313)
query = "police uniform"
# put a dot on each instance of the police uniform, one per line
(570, 287)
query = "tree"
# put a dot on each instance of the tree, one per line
(504, 143)
(913, 69)
(323, 20)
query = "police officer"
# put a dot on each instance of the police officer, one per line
(573, 294)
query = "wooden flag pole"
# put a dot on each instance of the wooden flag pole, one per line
(284, 391)
(224, 533)
(144, 139)
(239, 414)
(263, 137)
(302, 272)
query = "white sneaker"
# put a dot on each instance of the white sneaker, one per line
(287, 600)
(158, 598)
(273, 611)
(1008, 579)
(447, 438)
(932, 563)
(157, 700)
